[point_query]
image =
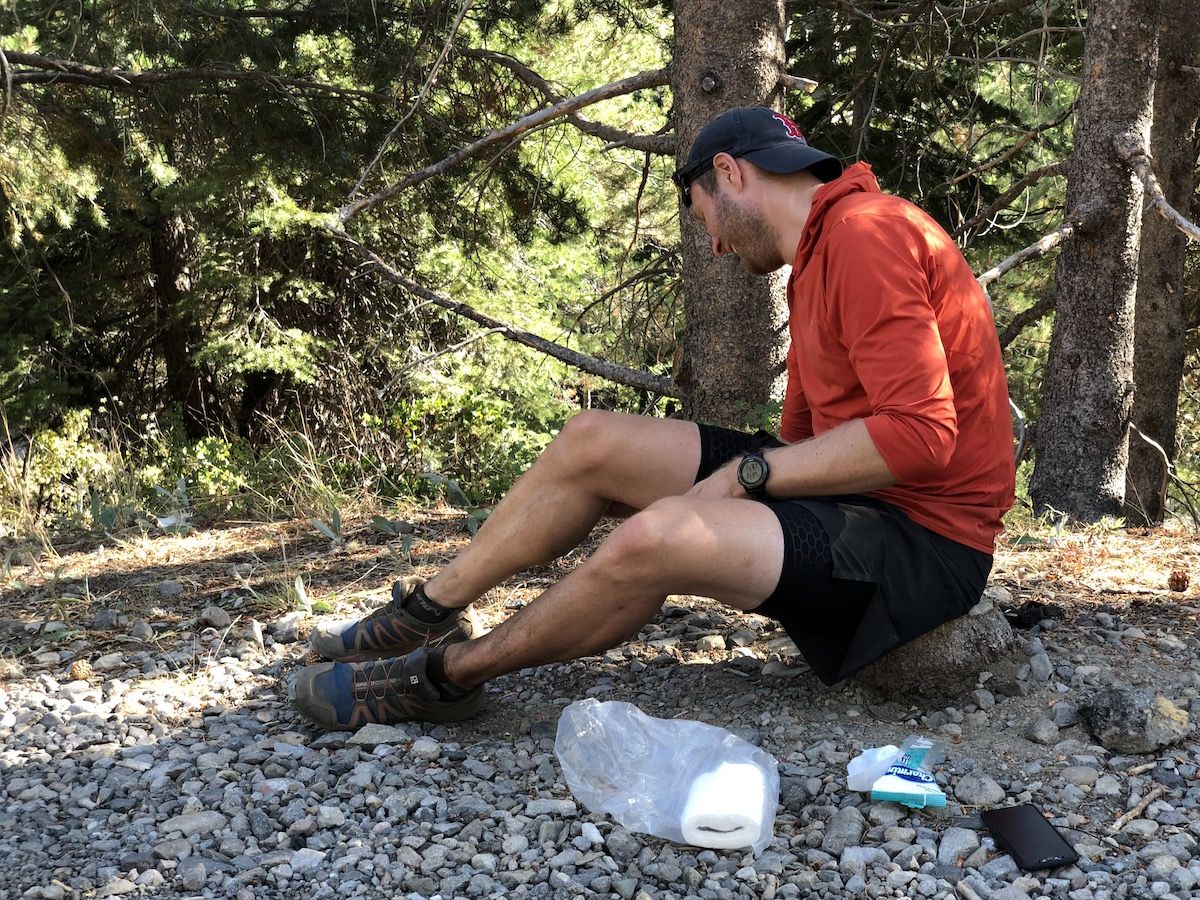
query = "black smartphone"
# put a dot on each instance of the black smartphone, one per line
(1032, 842)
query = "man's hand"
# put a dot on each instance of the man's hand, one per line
(721, 484)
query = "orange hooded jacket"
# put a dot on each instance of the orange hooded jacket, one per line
(889, 325)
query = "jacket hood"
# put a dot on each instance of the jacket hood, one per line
(855, 180)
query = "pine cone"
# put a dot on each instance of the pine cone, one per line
(81, 670)
(1178, 580)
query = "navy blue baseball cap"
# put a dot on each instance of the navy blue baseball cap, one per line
(767, 138)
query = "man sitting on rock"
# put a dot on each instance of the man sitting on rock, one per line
(871, 522)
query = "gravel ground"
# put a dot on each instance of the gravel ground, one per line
(176, 768)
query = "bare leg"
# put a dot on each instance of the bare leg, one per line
(600, 459)
(730, 550)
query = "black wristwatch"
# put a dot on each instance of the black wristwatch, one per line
(753, 473)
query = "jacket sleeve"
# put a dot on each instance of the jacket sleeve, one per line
(879, 294)
(796, 421)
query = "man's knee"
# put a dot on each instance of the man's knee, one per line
(642, 547)
(583, 438)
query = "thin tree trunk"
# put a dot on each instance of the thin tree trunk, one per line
(1082, 433)
(179, 337)
(726, 54)
(1159, 347)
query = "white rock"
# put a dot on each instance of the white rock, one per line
(306, 860)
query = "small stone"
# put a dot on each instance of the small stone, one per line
(1065, 714)
(330, 817)
(105, 619)
(1080, 775)
(1161, 867)
(192, 824)
(109, 661)
(956, 845)
(1042, 731)
(142, 631)
(425, 748)
(170, 588)
(978, 790)
(192, 874)
(216, 617)
(374, 734)
(844, 829)
(287, 629)
(622, 845)
(1107, 786)
(114, 888)
(710, 642)
(1040, 667)
(306, 860)
(551, 807)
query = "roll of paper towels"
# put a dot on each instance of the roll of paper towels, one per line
(724, 808)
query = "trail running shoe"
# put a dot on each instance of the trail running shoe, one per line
(341, 696)
(390, 630)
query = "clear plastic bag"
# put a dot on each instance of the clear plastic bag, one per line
(674, 778)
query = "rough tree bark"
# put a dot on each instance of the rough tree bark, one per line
(726, 54)
(1159, 331)
(1082, 432)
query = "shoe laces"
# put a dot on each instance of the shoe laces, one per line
(376, 680)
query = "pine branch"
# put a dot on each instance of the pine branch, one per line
(514, 131)
(1022, 320)
(662, 144)
(654, 384)
(1033, 251)
(1011, 150)
(1131, 150)
(47, 70)
(421, 95)
(1031, 178)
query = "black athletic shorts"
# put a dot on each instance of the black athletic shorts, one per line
(859, 576)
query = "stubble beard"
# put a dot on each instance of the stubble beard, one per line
(748, 230)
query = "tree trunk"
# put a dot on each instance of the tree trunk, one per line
(179, 336)
(727, 54)
(1082, 449)
(1159, 348)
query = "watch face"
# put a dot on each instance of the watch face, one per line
(752, 471)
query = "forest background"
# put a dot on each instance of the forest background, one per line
(267, 259)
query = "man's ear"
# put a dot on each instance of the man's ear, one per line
(728, 170)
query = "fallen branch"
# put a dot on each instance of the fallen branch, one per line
(1027, 317)
(654, 384)
(1137, 810)
(1033, 251)
(516, 130)
(1130, 149)
(1031, 178)
(46, 70)
(661, 144)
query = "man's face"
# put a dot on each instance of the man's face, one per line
(737, 227)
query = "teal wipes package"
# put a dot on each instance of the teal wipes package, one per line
(909, 779)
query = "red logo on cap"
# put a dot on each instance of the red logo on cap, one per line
(793, 130)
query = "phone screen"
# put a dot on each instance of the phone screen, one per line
(1032, 842)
